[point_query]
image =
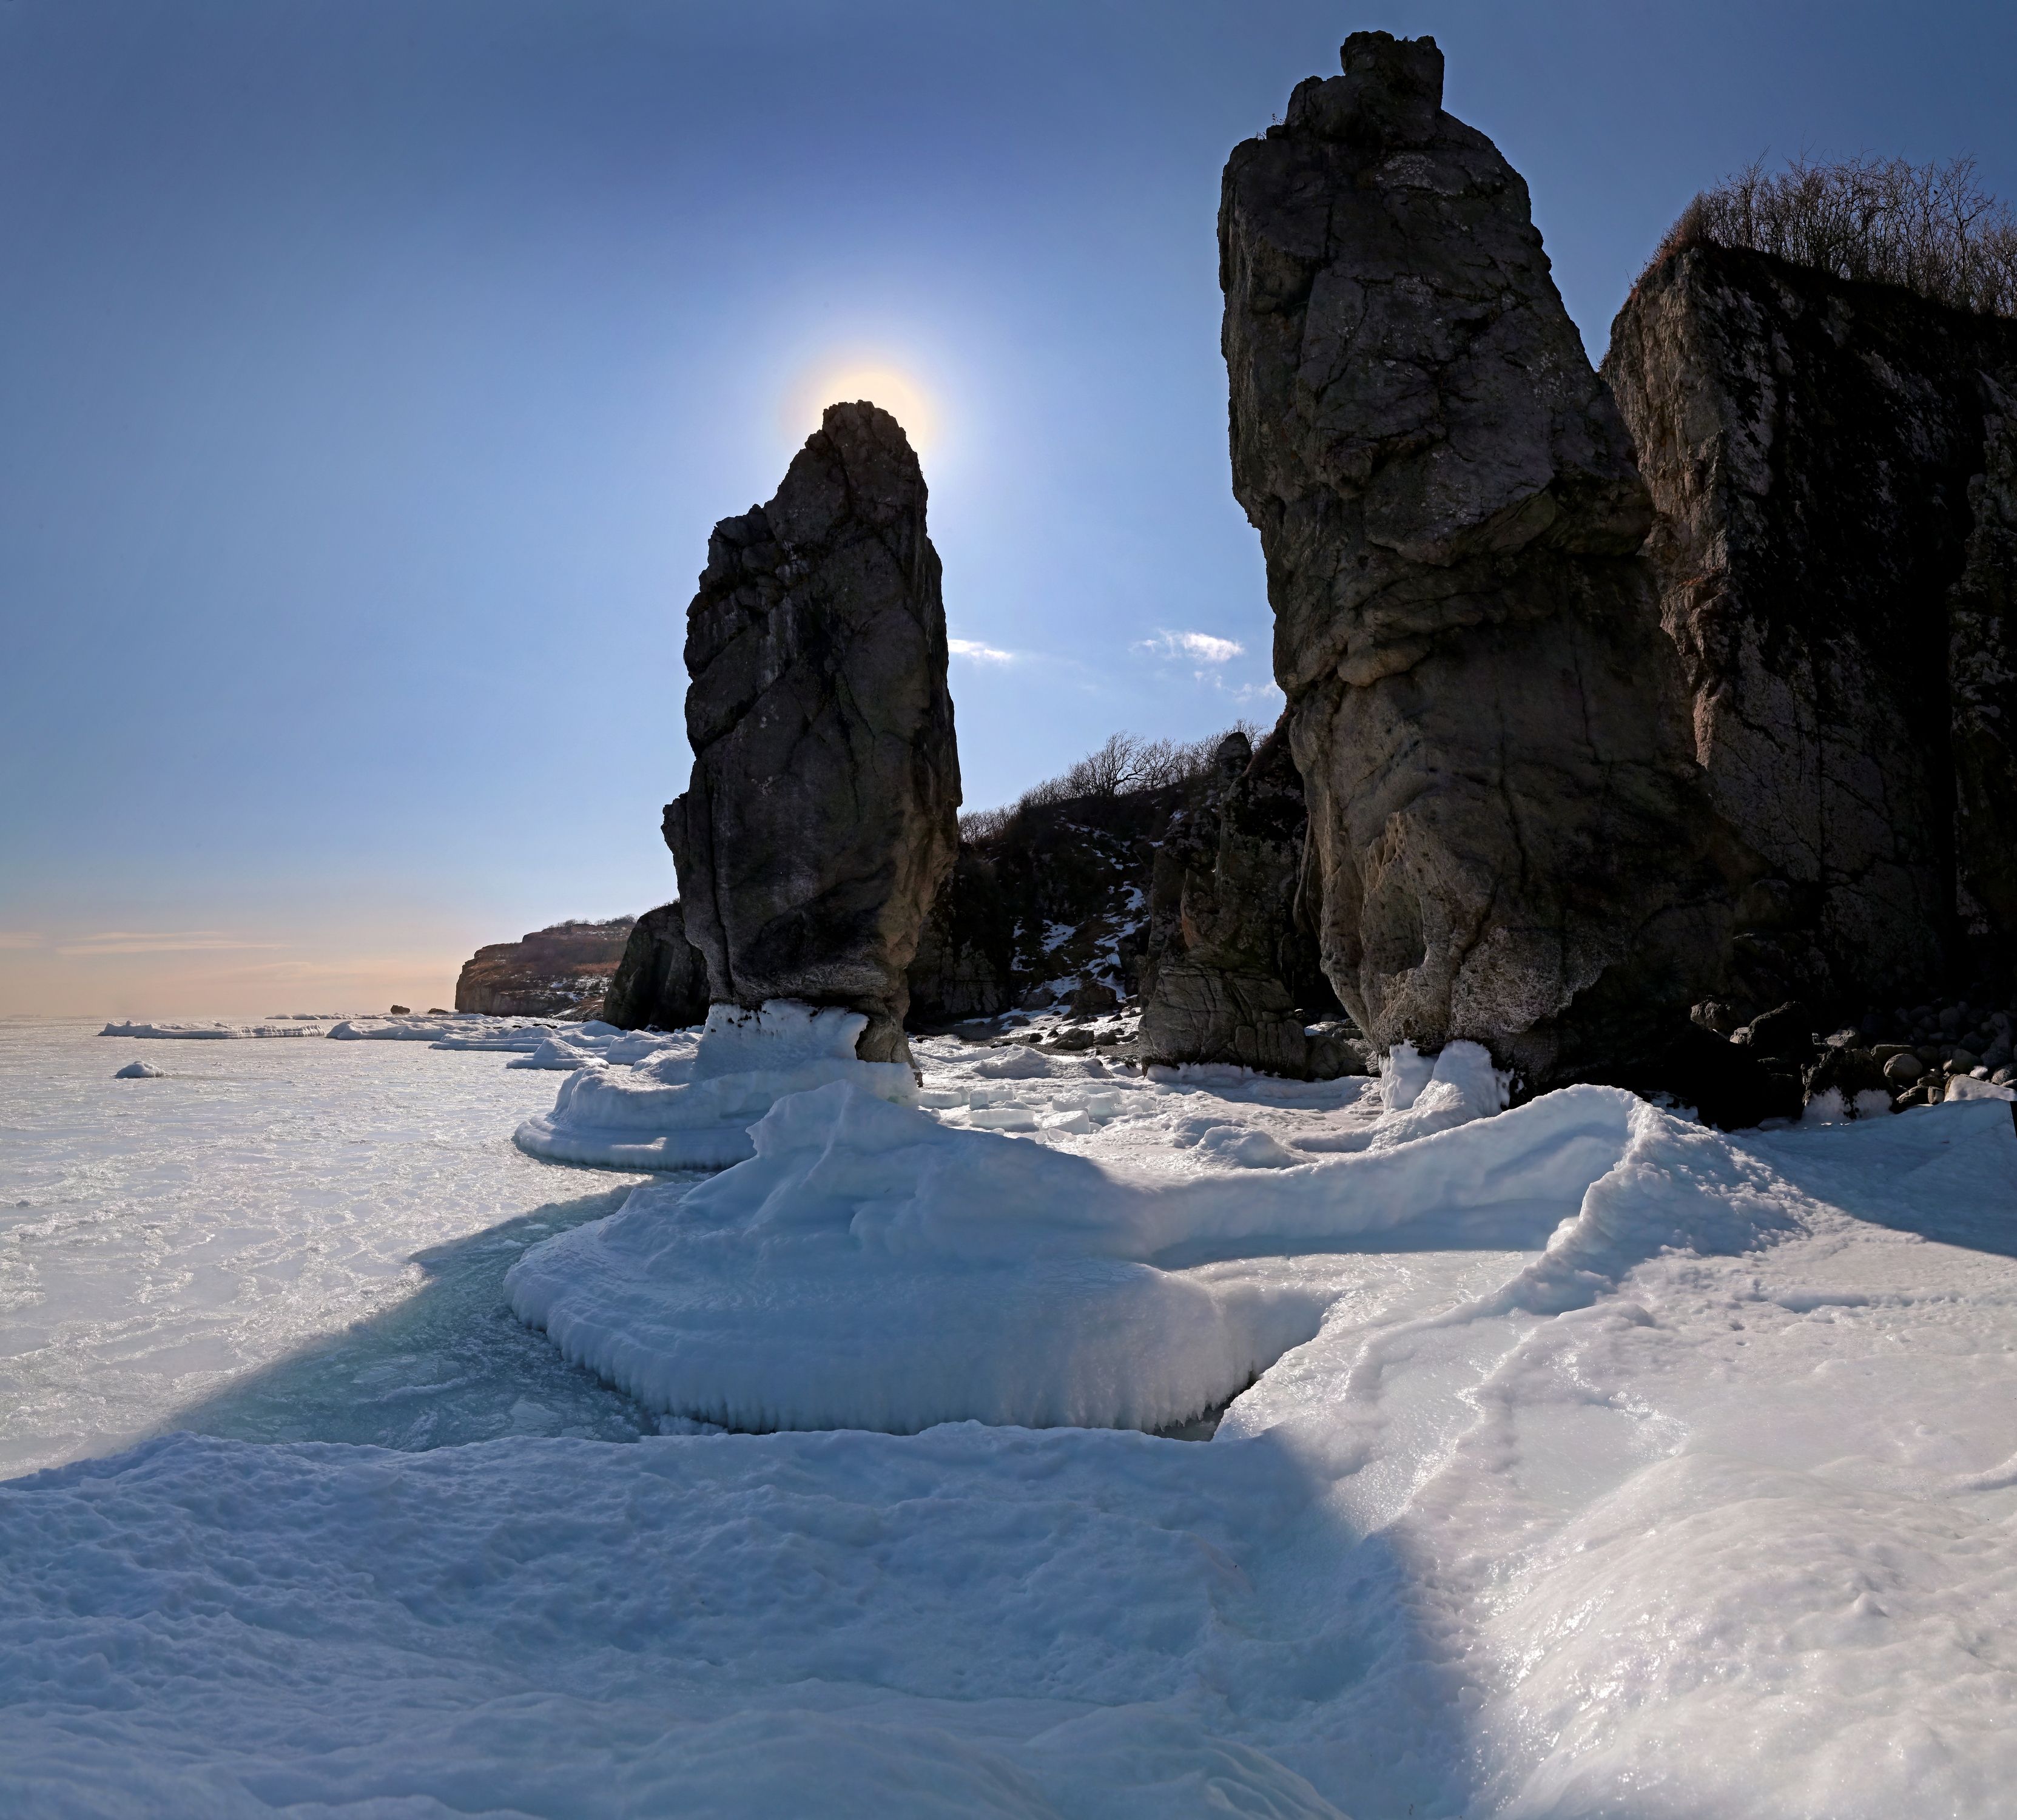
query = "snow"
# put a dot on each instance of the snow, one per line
(1627, 1467)
(689, 1104)
(1966, 1087)
(139, 1071)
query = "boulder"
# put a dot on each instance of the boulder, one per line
(662, 979)
(1509, 841)
(1830, 467)
(821, 817)
(1230, 975)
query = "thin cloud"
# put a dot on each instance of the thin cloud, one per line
(977, 652)
(1198, 647)
(176, 941)
(19, 938)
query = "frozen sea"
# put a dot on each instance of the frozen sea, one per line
(1616, 1468)
(275, 1241)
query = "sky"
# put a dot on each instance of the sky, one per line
(372, 373)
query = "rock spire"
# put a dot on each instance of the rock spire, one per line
(1510, 841)
(822, 815)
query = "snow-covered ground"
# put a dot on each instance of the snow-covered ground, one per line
(1627, 1469)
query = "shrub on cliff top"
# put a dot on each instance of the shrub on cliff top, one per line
(1126, 765)
(1931, 227)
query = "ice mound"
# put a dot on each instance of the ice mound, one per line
(685, 1108)
(141, 1071)
(571, 1045)
(204, 1032)
(554, 1052)
(410, 1030)
(872, 1268)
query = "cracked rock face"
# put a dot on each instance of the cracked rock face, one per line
(662, 979)
(1982, 669)
(1510, 839)
(1229, 977)
(822, 815)
(1811, 447)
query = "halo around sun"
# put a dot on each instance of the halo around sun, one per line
(843, 380)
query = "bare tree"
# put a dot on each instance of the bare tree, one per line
(1125, 765)
(1931, 227)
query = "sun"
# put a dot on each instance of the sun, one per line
(842, 380)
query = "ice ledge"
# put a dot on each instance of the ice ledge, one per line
(694, 1112)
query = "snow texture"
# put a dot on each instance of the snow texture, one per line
(688, 1105)
(1686, 1486)
(140, 1071)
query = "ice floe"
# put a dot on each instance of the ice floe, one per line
(205, 1032)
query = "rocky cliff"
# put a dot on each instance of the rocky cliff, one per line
(548, 973)
(1052, 904)
(1231, 973)
(1510, 840)
(821, 817)
(1831, 463)
(662, 979)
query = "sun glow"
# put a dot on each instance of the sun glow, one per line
(842, 381)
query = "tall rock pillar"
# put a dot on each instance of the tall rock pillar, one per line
(1511, 843)
(1832, 466)
(822, 815)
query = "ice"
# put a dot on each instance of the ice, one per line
(399, 1030)
(682, 1107)
(459, 1030)
(1681, 1482)
(554, 1052)
(140, 1071)
(204, 1032)
(873, 1268)
(231, 1245)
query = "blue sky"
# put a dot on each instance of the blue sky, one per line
(371, 374)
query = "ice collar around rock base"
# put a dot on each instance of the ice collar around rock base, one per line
(694, 1110)
(870, 1267)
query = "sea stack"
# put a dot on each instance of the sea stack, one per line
(822, 815)
(1511, 841)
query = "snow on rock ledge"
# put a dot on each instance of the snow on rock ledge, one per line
(693, 1110)
(870, 1267)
